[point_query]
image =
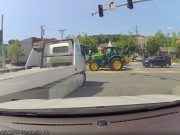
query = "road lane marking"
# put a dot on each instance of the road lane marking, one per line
(135, 71)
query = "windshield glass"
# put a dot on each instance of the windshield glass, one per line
(78, 67)
(67, 49)
(57, 53)
(152, 57)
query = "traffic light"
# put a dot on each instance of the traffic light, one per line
(100, 9)
(130, 4)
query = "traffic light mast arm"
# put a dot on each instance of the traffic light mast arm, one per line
(98, 11)
(124, 4)
(138, 1)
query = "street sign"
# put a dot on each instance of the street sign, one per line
(111, 5)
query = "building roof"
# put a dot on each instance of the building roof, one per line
(169, 49)
(106, 44)
(178, 41)
(142, 40)
(103, 45)
(47, 42)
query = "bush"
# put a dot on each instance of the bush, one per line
(176, 60)
(0, 63)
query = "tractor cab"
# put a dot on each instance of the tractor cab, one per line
(115, 51)
(110, 51)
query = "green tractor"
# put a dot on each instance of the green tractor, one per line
(110, 57)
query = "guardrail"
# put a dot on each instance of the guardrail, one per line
(11, 70)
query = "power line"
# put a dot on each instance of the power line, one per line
(137, 31)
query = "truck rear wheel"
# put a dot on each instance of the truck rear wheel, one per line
(93, 66)
(116, 64)
(84, 79)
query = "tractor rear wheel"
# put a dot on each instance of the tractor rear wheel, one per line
(116, 64)
(93, 66)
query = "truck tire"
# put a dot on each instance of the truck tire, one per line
(151, 65)
(93, 66)
(167, 65)
(116, 64)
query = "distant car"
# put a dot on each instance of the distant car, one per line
(162, 61)
(134, 58)
(139, 58)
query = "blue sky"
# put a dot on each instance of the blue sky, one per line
(22, 18)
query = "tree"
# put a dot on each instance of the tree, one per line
(88, 42)
(161, 39)
(15, 51)
(4, 49)
(128, 45)
(11, 41)
(173, 39)
(165, 40)
(152, 46)
(178, 47)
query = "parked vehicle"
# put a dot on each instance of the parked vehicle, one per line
(162, 61)
(134, 58)
(139, 58)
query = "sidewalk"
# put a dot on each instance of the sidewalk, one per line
(10, 66)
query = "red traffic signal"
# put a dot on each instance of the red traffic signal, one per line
(100, 9)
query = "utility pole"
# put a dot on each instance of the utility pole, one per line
(43, 45)
(62, 33)
(136, 31)
(130, 33)
(42, 32)
(2, 47)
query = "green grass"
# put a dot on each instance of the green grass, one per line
(176, 60)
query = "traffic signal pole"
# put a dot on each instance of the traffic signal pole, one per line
(2, 46)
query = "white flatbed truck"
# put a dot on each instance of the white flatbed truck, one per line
(59, 67)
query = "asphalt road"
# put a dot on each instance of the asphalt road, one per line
(133, 80)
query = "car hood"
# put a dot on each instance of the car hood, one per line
(88, 102)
